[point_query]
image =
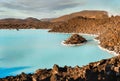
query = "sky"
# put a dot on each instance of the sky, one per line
(54, 8)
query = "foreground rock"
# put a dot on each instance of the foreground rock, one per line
(104, 70)
(75, 39)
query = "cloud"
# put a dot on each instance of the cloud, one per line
(34, 5)
(35, 8)
(2, 11)
(52, 8)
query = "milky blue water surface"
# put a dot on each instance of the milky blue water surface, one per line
(30, 49)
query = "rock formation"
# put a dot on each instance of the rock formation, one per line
(75, 39)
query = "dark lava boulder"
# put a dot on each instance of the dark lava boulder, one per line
(75, 39)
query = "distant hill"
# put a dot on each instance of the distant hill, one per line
(47, 19)
(31, 19)
(13, 23)
(86, 13)
(15, 20)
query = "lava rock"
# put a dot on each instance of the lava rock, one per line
(75, 39)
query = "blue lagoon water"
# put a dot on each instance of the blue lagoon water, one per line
(30, 49)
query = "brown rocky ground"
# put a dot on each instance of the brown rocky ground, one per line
(75, 39)
(104, 70)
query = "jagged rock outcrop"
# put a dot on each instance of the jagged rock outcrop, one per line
(104, 70)
(75, 39)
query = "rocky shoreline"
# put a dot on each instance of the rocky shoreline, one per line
(111, 52)
(104, 49)
(104, 70)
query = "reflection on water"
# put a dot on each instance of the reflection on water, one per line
(40, 49)
(8, 71)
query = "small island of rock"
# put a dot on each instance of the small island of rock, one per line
(75, 39)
